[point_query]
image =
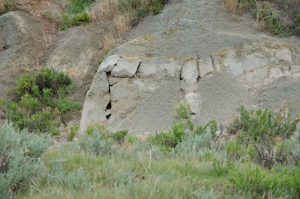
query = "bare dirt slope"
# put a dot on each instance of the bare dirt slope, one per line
(193, 28)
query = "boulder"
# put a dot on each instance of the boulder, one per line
(284, 55)
(192, 99)
(148, 69)
(109, 63)
(96, 102)
(233, 63)
(254, 61)
(205, 67)
(126, 67)
(295, 69)
(189, 75)
(189, 71)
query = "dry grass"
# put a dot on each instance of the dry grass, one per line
(236, 7)
(52, 12)
(122, 23)
(294, 3)
(103, 9)
(2, 7)
(63, 4)
(108, 41)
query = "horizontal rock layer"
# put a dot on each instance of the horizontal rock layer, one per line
(138, 94)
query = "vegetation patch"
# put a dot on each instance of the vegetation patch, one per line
(78, 6)
(190, 162)
(263, 14)
(39, 101)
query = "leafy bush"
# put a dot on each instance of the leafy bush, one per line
(119, 136)
(182, 111)
(171, 138)
(66, 22)
(131, 139)
(19, 159)
(152, 6)
(251, 125)
(81, 19)
(40, 100)
(263, 13)
(234, 150)
(168, 139)
(270, 18)
(72, 132)
(78, 6)
(260, 182)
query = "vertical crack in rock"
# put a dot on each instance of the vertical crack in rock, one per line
(108, 107)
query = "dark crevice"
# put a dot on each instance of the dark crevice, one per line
(108, 106)
(108, 116)
(137, 70)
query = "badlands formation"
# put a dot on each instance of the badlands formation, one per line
(138, 93)
(193, 52)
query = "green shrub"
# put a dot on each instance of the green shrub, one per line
(72, 132)
(19, 159)
(171, 138)
(182, 111)
(234, 150)
(66, 22)
(41, 101)
(7, 7)
(168, 139)
(78, 6)
(142, 12)
(212, 125)
(260, 182)
(156, 6)
(152, 6)
(131, 139)
(270, 19)
(81, 19)
(251, 125)
(119, 136)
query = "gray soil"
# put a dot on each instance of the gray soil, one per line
(193, 28)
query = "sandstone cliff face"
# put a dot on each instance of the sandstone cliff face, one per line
(138, 94)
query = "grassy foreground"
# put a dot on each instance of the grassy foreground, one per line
(186, 162)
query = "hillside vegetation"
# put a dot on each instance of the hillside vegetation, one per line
(186, 162)
(279, 17)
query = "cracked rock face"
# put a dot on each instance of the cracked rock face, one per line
(138, 94)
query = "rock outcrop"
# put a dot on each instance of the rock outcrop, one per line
(140, 96)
